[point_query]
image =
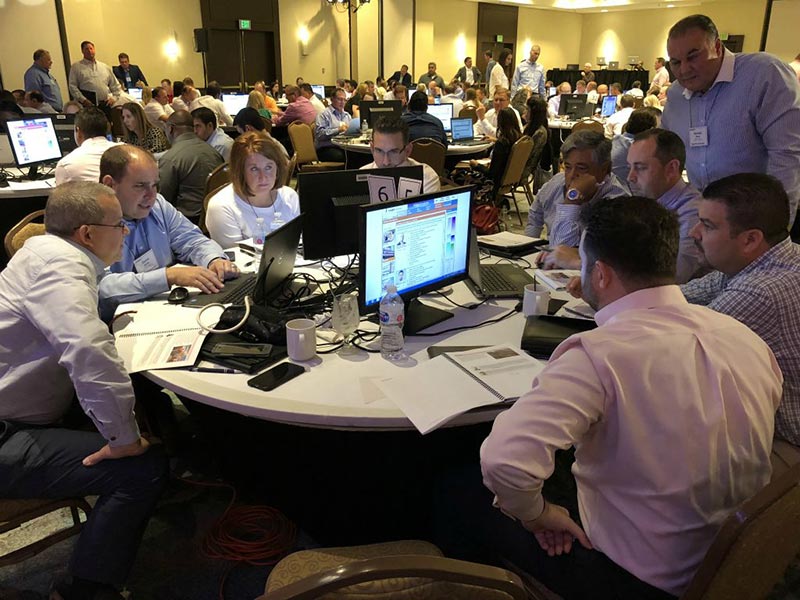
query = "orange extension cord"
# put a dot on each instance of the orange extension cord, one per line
(257, 535)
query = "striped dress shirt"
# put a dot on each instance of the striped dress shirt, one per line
(765, 296)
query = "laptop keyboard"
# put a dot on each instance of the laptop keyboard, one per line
(238, 294)
(494, 281)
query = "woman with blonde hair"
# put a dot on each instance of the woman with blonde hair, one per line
(256, 100)
(256, 197)
(140, 132)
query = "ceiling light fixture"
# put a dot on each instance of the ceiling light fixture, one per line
(353, 5)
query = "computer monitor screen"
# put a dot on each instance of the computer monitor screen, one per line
(135, 93)
(443, 112)
(329, 202)
(234, 102)
(609, 106)
(33, 141)
(371, 110)
(419, 245)
(319, 90)
(574, 106)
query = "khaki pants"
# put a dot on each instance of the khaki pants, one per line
(784, 456)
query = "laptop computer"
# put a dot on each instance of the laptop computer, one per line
(277, 263)
(461, 132)
(503, 280)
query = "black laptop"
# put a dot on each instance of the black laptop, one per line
(504, 280)
(277, 263)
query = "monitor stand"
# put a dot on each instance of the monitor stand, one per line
(33, 173)
(420, 316)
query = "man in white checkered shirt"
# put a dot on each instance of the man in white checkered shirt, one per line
(743, 231)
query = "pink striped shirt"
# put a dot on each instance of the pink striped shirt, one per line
(670, 407)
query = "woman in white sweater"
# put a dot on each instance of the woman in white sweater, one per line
(256, 196)
(498, 78)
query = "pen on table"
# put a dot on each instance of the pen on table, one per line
(247, 251)
(213, 370)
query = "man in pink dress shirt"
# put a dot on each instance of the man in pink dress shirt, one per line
(670, 408)
(299, 109)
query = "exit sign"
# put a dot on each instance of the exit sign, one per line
(498, 38)
(244, 24)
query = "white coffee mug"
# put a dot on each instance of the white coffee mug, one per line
(535, 302)
(301, 339)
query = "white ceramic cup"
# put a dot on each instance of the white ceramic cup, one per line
(301, 339)
(535, 302)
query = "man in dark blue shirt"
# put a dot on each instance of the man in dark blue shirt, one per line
(420, 123)
(127, 74)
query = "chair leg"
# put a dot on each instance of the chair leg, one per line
(514, 198)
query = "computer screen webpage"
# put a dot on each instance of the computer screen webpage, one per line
(33, 140)
(319, 90)
(415, 244)
(443, 112)
(609, 106)
(234, 103)
(462, 129)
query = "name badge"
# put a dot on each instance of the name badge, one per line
(698, 137)
(146, 262)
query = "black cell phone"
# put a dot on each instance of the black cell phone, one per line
(241, 349)
(231, 255)
(277, 375)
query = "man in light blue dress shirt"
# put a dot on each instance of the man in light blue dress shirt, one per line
(39, 78)
(331, 122)
(587, 175)
(53, 349)
(736, 113)
(530, 74)
(160, 236)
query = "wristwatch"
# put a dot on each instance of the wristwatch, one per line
(574, 195)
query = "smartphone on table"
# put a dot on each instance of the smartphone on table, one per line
(277, 375)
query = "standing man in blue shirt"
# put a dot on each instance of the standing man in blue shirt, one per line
(529, 74)
(160, 236)
(736, 113)
(39, 78)
(490, 63)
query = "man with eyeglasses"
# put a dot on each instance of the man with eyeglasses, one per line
(487, 120)
(160, 236)
(391, 148)
(54, 348)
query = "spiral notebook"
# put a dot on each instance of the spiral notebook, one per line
(159, 337)
(436, 391)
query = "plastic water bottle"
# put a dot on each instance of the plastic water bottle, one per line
(392, 315)
(261, 231)
(277, 221)
(363, 125)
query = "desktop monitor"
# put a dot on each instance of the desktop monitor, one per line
(574, 106)
(419, 245)
(329, 202)
(33, 142)
(135, 93)
(65, 132)
(319, 91)
(234, 102)
(370, 110)
(609, 106)
(443, 112)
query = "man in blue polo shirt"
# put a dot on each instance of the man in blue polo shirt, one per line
(39, 78)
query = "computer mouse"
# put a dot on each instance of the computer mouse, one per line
(178, 295)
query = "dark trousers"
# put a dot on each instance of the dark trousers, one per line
(331, 154)
(470, 528)
(40, 462)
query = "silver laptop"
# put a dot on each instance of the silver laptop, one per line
(461, 132)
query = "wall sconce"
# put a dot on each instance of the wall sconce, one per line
(303, 36)
(171, 49)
